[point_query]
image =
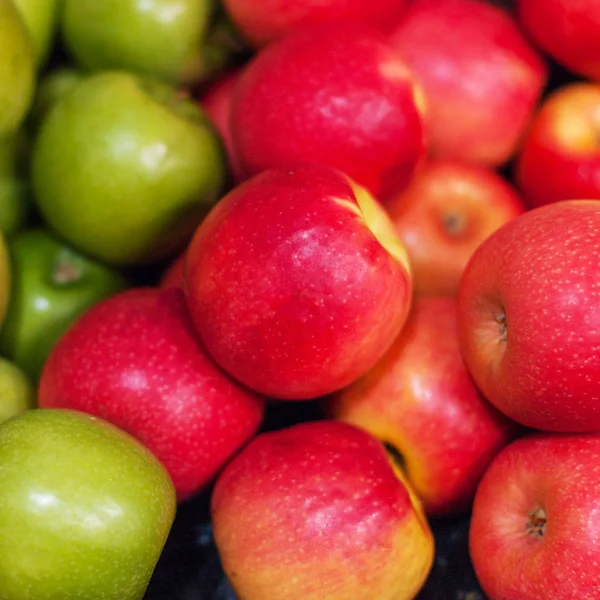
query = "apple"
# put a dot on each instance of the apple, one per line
(52, 87)
(529, 324)
(316, 511)
(559, 158)
(173, 274)
(333, 95)
(17, 394)
(164, 158)
(15, 189)
(135, 360)
(533, 533)
(262, 21)
(480, 76)
(216, 100)
(41, 20)
(171, 40)
(6, 279)
(84, 509)
(420, 400)
(297, 282)
(568, 30)
(17, 69)
(52, 285)
(446, 212)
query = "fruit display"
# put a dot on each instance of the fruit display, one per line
(299, 299)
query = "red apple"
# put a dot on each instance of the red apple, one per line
(529, 317)
(135, 360)
(316, 511)
(262, 21)
(481, 78)
(297, 282)
(173, 274)
(568, 30)
(534, 532)
(338, 96)
(443, 216)
(421, 400)
(560, 157)
(216, 102)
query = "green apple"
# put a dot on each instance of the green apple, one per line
(52, 286)
(16, 391)
(17, 68)
(125, 168)
(15, 191)
(5, 278)
(41, 19)
(85, 509)
(171, 40)
(51, 88)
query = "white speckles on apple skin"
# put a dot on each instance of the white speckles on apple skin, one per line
(543, 271)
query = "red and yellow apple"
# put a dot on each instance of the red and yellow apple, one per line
(316, 511)
(338, 96)
(534, 532)
(136, 361)
(529, 317)
(297, 282)
(262, 21)
(446, 212)
(568, 30)
(481, 78)
(560, 156)
(420, 400)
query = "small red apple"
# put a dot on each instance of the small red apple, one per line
(338, 96)
(173, 274)
(534, 532)
(481, 78)
(262, 21)
(297, 282)
(216, 102)
(529, 317)
(560, 157)
(446, 212)
(568, 30)
(316, 511)
(135, 361)
(421, 400)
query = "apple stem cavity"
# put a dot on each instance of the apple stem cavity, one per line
(455, 223)
(536, 524)
(500, 318)
(67, 268)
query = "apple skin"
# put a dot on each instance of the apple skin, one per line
(316, 511)
(165, 160)
(216, 101)
(17, 69)
(17, 394)
(446, 212)
(528, 325)
(264, 21)
(173, 274)
(167, 40)
(480, 76)
(420, 399)
(135, 360)
(41, 19)
(338, 96)
(559, 158)
(567, 30)
(84, 509)
(297, 282)
(533, 533)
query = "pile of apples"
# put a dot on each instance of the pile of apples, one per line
(388, 211)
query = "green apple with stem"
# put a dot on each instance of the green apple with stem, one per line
(17, 68)
(125, 168)
(85, 509)
(41, 19)
(52, 285)
(178, 41)
(17, 393)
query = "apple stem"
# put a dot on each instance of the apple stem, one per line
(500, 318)
(536, 525)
